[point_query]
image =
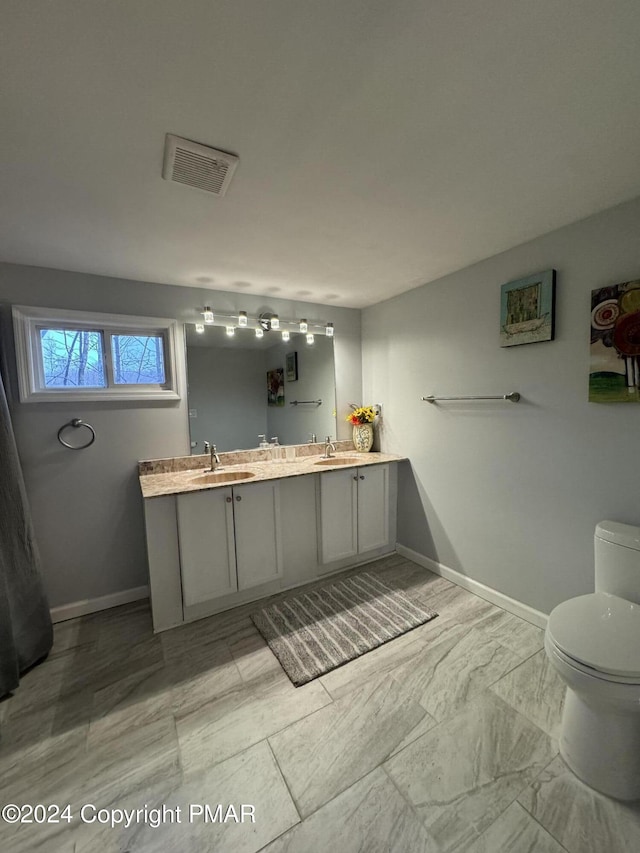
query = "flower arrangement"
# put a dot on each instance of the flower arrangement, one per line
(362, 415)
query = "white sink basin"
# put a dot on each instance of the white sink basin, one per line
(211, 477)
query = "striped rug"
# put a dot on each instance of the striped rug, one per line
(314, 632)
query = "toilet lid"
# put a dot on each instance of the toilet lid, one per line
(599, 630)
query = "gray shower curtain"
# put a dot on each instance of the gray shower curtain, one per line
(26, 633)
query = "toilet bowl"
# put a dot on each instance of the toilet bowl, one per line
(593, 642)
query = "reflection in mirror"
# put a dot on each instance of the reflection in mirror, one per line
(230, 402)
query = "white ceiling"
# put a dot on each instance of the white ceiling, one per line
(382, 144)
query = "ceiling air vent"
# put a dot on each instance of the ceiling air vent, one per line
(198, 166)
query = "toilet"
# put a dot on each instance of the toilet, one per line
(593, 641)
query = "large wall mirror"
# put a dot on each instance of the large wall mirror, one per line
(241, 387)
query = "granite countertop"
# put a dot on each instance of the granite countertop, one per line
(179, 482)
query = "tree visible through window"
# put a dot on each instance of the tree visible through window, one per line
(72, 357)
(137, 359)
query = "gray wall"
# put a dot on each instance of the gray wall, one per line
(293, 424)
(508, 494)
(227, 389)
(86, 505)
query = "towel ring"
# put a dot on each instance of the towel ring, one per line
(76, 423)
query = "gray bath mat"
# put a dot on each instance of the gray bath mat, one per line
(314, 632)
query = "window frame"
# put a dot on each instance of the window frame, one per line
(29, 321)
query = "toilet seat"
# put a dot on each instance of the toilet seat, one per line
(599, 632)
(556, 653)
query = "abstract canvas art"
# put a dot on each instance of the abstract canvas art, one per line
(614, 375)
(527, 310)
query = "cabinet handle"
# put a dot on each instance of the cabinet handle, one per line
(238, 498)
(362, 476)
(228, 500)
(355, 478)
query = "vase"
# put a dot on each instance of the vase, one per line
(363, 437)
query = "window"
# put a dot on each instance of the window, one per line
(70, 355)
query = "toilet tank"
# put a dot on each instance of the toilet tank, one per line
(617, 559)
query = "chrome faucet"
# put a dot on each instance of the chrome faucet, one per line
(328, 447)
(215, 459)
(313, 438)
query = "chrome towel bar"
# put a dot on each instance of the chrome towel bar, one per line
(513, 397)
(305, 403)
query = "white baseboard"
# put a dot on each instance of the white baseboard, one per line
(93, 605)
(536, 617)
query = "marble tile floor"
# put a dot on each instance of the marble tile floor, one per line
(441, 741)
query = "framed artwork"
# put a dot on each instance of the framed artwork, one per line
(614, 373)
(292, 366)
(275, 387)
(527, 309)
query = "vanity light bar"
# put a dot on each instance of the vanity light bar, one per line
(265, 321)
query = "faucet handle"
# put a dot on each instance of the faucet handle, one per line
(328, 438)
(274, 439)
(207, 447)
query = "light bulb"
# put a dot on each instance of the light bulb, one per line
(208, 315)
(242, 318)
(259, 332)
(329, 330)
(310, 338)
(231, 330)
(200, 328)
(275, 321)
(285, 335)
(304, 326)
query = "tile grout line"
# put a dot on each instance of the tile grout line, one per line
(532, 816)
(271, 734)
(411, 806)
(552, 739)
(286, 784)
(353, 782)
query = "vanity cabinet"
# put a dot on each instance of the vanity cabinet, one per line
(229, 540)
(354, 512)
(214, 549)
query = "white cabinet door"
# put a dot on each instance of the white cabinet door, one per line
(373, 507)
(257, 521)
(338, 515)
(207, 550)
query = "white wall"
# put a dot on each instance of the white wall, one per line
(86, 505)
(508, 494)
